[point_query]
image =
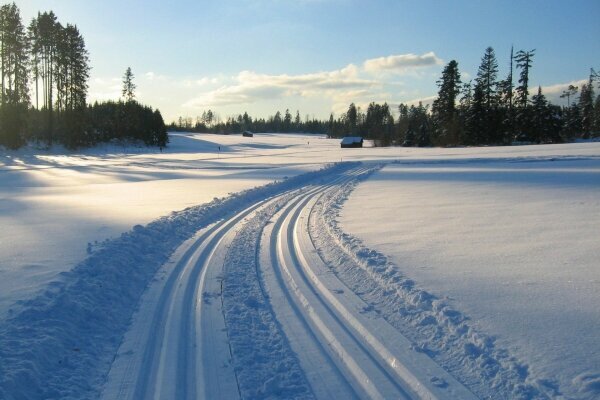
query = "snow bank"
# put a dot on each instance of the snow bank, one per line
(60, 344)
(430, 322)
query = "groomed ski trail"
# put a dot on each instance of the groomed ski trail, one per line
(256, 280)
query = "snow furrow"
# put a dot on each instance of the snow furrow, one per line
(167, 368)
(264, 362)
(354, 357)
(325, 323)
(434, 328)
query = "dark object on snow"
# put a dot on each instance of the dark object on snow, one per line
(352, 141)
(247, 134)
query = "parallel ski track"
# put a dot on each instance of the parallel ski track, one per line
(165, 363)
(364, 373)
(178, 347)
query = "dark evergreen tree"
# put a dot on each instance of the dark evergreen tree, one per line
(379, 124)
(541, 118)
(505, 101)
(486, 87)
(571, 91)
(297, 122)
(287, 121)
(476, 124)
(586, 105)
(14, 98)
(487, 75)
(444, 110)
(352, 119)
(524, 61)
(129, 87)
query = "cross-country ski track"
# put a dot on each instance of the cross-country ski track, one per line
(253, 281)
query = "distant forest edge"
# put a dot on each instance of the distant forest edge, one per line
(483, 111)
(44, 82)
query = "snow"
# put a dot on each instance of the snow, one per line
(61, 202)
(512, 244)
(484, 259)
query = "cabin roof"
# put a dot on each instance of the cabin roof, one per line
(351, 139)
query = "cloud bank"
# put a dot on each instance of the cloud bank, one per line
(341, 86)
(401, 63)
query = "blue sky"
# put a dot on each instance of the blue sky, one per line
(317, 56)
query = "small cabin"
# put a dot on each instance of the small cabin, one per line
(247, 134)
(352, 141)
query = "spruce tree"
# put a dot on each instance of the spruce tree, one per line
(129, 87)
(540, 117)
(586, 105)
(524, 61)
(444, 111)
(487, 78)
(351, 118)
(14, 98)
(486, 85)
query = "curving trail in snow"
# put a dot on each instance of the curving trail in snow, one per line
(248, 309)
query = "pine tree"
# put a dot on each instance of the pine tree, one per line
(540, 117)
(571, 91)
(487, 78)
(352, 119)
(14, 98)
(486, 85)
(476, 118)
(586, 105)
(129, 87)
(298, 122)
(505, 100)
(43, 33)
(444, 111)
(524, 61)
(287, 121)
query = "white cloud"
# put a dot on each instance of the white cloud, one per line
(249, 87)
(317, 92)
(425, 100)
(401, 63)
(553, 92)
(558, 88)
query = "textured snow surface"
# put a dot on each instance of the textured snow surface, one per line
(512, 244)
(61, 343)
(485, 260)
(65, 203)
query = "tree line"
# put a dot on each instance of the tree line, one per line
(484, 111)
(492, 111)
(211, 122)
(44, 71)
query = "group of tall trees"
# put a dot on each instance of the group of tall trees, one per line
(489, 110)
(484, 111)
(44, 72)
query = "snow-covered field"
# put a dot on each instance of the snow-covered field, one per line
(442, 273)
(514, 245)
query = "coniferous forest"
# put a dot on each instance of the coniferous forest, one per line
(487, 110)
(45, 69)
(44, 82)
